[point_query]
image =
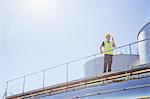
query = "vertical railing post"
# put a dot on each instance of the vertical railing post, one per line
(130, 49)
(24, 79)
(43, 79)
(7, 88)
(67, 72)
(67, 75)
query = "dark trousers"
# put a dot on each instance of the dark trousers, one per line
(108, 62)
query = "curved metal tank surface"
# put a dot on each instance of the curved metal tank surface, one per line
(122, 94)
(144, 46)
(120, 62)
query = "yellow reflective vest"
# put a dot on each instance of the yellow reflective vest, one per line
(108, 48)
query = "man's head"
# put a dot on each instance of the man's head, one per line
(108, 37)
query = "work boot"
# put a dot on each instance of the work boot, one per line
(109, 70)
(104, 71)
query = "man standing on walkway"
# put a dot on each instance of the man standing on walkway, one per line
(107, 48)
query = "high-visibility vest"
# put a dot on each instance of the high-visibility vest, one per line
(108, 48)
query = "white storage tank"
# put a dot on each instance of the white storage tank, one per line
(120, 62)
(144, 46)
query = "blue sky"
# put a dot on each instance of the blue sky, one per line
(37, 34)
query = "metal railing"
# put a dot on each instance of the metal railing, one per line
(138, 72)
(63, 73)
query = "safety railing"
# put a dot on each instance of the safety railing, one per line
(68, 71)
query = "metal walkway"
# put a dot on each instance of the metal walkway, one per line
(141, 71)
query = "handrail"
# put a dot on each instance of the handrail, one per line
(81, 82)
(142, 28)
(76, 60)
